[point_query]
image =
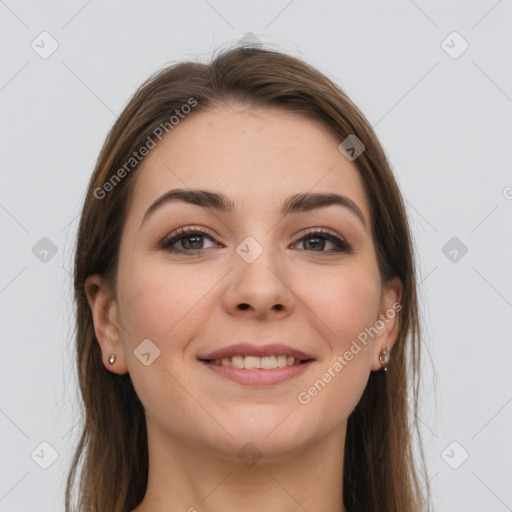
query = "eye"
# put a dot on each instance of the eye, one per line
(190, 238)
(315, 241)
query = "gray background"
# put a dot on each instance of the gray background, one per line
(444, 118)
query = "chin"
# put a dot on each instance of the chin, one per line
(269, 432)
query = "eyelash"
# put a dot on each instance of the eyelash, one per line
(183, 233)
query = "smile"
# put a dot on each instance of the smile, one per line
(257, 364)
(254, 375)
(254, 362)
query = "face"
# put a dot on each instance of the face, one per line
(272, 276)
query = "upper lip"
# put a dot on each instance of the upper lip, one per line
(248, 349)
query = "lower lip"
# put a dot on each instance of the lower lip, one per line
(257, 376)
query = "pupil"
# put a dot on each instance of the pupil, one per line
(317, 245)
(196, 237)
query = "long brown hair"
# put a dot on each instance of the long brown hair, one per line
(379, 467)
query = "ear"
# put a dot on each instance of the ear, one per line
(106, 325)
(388, 323)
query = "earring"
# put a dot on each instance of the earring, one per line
(112, 359)
(384, 357)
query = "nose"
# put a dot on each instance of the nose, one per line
(260, 289)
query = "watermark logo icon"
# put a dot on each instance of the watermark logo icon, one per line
(146, 352)
(352, 147)
(44, 455)
(249, 39)
(454, 249)
(249, 455)
(44, 250)
(249, 249)
(454, 45)
(454, 455)
(44, 45)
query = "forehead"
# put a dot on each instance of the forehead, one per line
(256, 157)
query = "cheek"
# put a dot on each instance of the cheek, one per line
(161, 303)
(344, 303)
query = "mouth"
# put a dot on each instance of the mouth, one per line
(257, 365)
(255, 362)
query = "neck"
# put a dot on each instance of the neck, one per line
(198, 479)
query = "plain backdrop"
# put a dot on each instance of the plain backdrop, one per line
(435, 81)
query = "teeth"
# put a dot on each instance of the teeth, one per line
(281, 361)
(268, 362)
(254, 362)
(236, 361)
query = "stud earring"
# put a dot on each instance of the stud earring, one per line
(112, 359)
(384, 357)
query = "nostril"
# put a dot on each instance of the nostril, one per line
(244, 306)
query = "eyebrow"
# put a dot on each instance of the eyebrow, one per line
(302, 202)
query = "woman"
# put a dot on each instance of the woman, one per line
(246, 301)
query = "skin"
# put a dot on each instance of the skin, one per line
(190, 304)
